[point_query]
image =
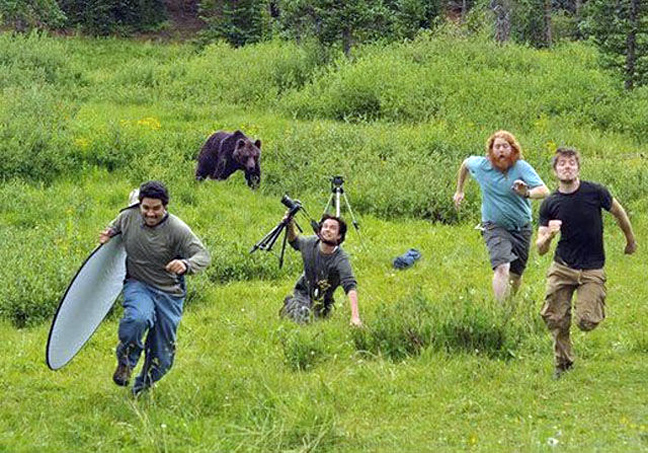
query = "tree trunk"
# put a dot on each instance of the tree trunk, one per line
(631, 44)
(464, 10)
(578, 4)
(502, 11)
(347, 41)
(547, 23)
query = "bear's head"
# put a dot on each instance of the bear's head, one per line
(248, 155)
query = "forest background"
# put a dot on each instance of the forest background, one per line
(100, 96)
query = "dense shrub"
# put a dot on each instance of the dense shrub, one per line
(103, 17)
(458, 80)
(35, 59)
(23, 15)
(396, 121)
(253, 75)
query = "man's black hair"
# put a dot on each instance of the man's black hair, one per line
(341, 223)
(154, 189)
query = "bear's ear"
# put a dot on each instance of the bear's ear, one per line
(258, 144)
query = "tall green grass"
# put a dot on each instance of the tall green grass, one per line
(393, 116)
(438, 366)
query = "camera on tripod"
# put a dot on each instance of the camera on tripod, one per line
(292, 205)
(266, 243)
(336, 183)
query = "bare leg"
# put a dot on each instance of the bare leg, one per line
(501, 277)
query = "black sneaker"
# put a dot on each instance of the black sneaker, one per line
(122, 374)
(562, 369)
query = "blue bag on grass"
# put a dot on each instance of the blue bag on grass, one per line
(407, 259)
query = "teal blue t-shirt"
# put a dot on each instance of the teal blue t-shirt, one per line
(500, 204)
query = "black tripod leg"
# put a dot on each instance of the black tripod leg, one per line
(269, 239)
(283, 249)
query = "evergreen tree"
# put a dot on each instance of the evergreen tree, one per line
(103, 17)
(620, 30)
(239, 22)
(344, 22)
(23, 15)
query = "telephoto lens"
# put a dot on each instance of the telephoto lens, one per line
(290, 203)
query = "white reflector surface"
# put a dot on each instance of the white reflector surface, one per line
(86, 302)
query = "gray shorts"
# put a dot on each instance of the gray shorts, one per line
(508, 246)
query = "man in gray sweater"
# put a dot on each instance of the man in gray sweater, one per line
(160, 250)
(326, 266)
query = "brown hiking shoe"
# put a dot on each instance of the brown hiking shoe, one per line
(122, 374)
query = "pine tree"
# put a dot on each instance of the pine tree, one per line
(620, 30)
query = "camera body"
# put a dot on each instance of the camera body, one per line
(292, 205)
(337, 181)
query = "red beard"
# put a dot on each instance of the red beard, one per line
(502, 164)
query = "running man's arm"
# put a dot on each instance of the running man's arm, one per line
(105, 235)
(531, 185)
(461, 181)
(546, 235)
(538, 192)
(624, 223)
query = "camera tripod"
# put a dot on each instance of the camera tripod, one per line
(337, 192)
(267, 242)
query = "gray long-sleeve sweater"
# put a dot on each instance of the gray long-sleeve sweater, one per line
(150, 249)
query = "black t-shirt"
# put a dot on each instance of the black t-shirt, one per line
(581, 234)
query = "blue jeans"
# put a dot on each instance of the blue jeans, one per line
(147, 308)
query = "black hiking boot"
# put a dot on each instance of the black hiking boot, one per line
(562, 369)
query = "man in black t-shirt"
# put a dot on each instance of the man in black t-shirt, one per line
(574, 211)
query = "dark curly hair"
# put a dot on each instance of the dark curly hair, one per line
(154, 189)
(341, 223)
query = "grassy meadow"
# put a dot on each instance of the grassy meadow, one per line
(439, 364)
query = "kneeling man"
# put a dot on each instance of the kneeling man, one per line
(326, 266)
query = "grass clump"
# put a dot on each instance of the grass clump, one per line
(409, 326)
(304, 348)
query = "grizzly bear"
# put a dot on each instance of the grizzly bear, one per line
(223, 153)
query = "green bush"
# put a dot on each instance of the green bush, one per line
(305, 347)
(23, 15)
(103, 17)
(458, 81)
(34, 135)
(253, 75)
(35, 59)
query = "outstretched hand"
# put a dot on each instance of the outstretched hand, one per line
(356, 322)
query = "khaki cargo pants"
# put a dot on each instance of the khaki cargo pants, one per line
(589, 306)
